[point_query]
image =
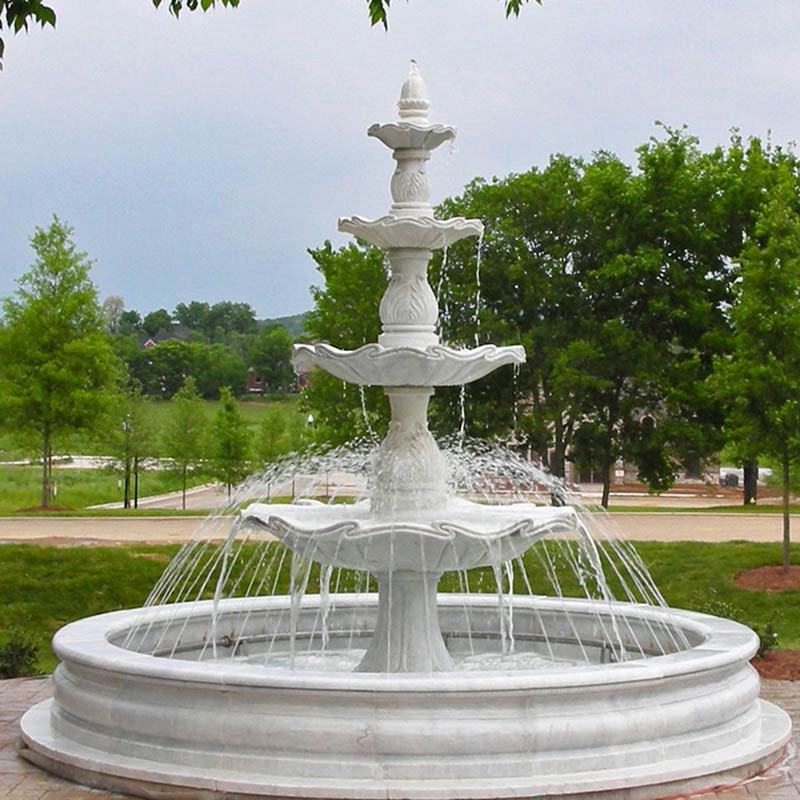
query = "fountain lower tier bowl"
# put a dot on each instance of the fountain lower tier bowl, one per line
(461, 535)
(376, 365)
(243, 725)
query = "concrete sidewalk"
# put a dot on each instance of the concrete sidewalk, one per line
(660, 526)
(20, 780)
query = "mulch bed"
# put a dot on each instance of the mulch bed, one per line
(777, 665)
(770, 579)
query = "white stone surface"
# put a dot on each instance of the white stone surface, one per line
(226, 727)
(436, 365)
(424, 233)
(460, 535)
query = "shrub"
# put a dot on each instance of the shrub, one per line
(712, 603)
(19, 656)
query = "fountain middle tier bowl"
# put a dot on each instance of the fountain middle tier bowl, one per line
(221, 720)
(461, 535)
(436, 365)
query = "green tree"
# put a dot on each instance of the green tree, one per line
(158, 321)
(130, 323)
(17, 15)
(217, 323)
(185, 433)
(57, 368)
(615, 282)
(761, 379)
(270, 356)
(132, 440)
(230, 448)
(163, 368)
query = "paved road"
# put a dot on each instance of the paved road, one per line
(659, 526)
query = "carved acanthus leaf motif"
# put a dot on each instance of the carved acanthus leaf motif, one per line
(408, 301)
(410, 185)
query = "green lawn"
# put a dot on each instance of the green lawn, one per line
(20, 487)
(43, 588)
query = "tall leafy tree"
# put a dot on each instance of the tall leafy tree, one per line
(185, 434)
(761, 378)
(230, 443)
(57, 368)
(615, 282)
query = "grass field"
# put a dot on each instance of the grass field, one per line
(43, 588)
(20, 487)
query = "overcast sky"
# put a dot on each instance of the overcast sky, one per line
(198, 159)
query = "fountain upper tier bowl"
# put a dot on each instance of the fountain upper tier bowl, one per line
(423, 233)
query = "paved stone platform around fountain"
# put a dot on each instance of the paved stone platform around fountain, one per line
(20, 780)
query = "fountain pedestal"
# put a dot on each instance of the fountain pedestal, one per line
(407, 635)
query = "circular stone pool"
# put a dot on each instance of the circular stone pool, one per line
(581, 724)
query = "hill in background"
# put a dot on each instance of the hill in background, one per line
(293, 323)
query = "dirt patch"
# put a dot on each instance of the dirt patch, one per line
(35, 509)
(152, 556)
(771, 578)
(779, 665)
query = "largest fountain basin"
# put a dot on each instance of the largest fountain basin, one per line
(133, 721)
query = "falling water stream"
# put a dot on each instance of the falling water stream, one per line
(226, 559)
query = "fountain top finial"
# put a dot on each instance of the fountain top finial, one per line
(413, 104)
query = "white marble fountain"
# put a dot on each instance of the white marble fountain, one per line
(632, 700)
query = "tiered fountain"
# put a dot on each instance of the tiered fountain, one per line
(601, 699)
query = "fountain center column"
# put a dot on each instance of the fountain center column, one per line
(409, 309)
(410, 470)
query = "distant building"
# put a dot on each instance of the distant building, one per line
(255, 382)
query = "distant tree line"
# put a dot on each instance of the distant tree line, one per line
(218, 344)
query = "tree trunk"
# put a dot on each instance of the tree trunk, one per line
(126, 494)
(557, 461)
(136, 483)
(786, 521)
(750, 482)
(606, 484)
(607, 463)
(46, 469)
